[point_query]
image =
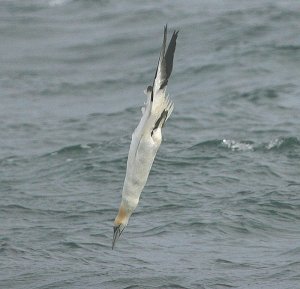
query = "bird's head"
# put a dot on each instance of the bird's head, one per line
(121, 221)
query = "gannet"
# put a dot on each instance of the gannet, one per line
(147, 137)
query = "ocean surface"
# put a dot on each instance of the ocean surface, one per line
(221, 208)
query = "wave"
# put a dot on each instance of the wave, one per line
(237, 146)
(73, 149)
(87, 148)
(12, 160)
(264, 93)
(280, 144)
(53, 3)
(19, 209)
(283, 143)
(256, 94)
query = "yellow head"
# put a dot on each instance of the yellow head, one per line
(120, 222)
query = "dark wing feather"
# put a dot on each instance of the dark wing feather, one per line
(165, 62)
(161, 57)
(170, 53)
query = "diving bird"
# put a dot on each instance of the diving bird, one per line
(147, 137)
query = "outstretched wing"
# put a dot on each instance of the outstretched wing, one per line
(165, 63)
(160, 102)
(158, 106)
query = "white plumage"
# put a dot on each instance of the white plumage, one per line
(147, 137)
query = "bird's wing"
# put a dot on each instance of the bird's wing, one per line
(158, 106)
(160, 101)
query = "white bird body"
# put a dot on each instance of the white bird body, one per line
(142, 152)
(147, 137)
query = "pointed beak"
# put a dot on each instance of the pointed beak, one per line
(117, 233)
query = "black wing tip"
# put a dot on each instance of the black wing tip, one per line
(166, 29)
(170, 55)
(175, 34)
(167, 57)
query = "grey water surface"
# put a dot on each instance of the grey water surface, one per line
(221, 208)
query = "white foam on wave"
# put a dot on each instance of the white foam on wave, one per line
(54, 3)
(237, 146)
(276, 143)
(85, 146)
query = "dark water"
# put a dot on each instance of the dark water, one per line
(222, 205)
